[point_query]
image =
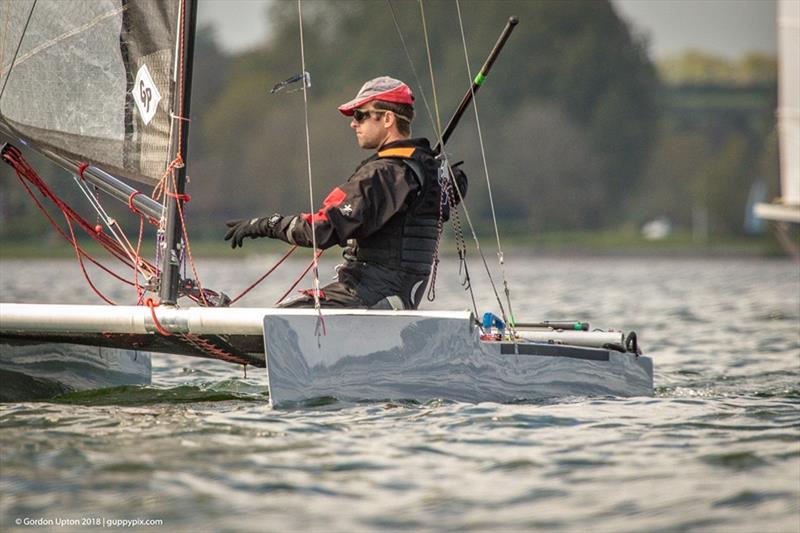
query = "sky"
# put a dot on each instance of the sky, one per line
(727, 28)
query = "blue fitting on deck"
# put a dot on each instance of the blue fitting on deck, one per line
(490, 320)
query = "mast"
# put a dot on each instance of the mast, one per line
(173, 231)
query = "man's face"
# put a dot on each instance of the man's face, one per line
(370, 129)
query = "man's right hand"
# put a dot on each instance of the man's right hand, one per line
(238, 230)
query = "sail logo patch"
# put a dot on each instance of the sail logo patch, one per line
(145, 94)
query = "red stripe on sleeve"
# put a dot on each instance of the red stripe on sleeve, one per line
(334, 199)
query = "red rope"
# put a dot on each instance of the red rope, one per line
(186, 242)
(300, 278)
(132, 207)
(158, 190)
(181, 75)
(185, 198)
(81, 169)
(267, 273)
(210, 349)
(25, 173)
(83, 268)
(152, 305)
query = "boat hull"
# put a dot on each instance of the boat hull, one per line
(382, 356)
(348, 354)
(34, 370)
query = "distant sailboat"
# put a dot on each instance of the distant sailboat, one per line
(785, 210)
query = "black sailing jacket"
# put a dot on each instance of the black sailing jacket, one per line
(386, 215)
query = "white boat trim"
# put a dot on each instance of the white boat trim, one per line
(778, 212)
(58, 318)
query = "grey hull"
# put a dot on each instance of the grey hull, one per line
(374, 356)
(31, 370)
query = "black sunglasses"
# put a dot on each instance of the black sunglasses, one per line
(359, 115)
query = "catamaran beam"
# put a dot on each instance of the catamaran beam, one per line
(64, 319)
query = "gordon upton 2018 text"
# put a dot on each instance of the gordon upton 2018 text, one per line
(89, 521)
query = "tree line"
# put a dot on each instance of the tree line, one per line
(582, 130)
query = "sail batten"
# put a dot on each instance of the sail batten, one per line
(92, 80)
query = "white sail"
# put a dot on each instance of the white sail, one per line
(91, 80)
(789, 98)
(787, 207)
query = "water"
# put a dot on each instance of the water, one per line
(717, 448)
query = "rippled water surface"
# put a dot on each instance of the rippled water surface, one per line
(717, 448)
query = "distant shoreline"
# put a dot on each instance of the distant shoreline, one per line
(607, 244)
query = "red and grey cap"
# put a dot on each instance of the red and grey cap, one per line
(383, 88)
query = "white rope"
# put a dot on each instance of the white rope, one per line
(308, 159)
(500, 256)
(115, 232)
(420, 87)
(438, 124)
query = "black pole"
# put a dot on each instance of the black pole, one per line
(173, 234)
(477, 82)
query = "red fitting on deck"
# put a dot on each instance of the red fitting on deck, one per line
(185, 198)
(130, 202)
(152, 305)
(81, 169)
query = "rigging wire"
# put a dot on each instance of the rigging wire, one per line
(444, 155)
(308, 160)
(115, 230)
(447, 183)
(16, 52)
(458, 191)
(25, 173)
(438, 124)
(435, 123)
(3, 40)
(500, 256)
(138, 265)
(413, 68)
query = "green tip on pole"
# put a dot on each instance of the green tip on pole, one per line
(479, 79)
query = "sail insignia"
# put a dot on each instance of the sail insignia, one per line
(146, 94)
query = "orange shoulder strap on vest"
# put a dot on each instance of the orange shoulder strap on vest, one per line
(405, 153)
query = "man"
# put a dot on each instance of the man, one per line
(386, 216)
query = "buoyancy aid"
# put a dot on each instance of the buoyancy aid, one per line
(408, 240)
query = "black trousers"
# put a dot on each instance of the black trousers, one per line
(333, 295)
(338, 295)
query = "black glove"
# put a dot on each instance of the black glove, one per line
(461, 182)
(253, 228)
